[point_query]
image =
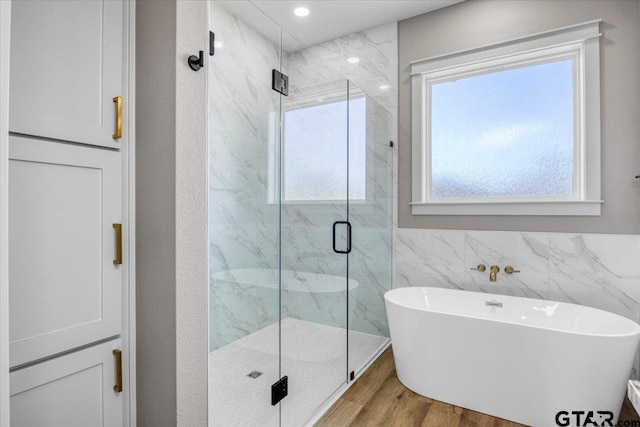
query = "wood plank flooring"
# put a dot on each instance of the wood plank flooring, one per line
(378, 398)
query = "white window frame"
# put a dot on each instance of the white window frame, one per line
(579, 42)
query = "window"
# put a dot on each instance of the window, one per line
(510, 129)
(315, 150)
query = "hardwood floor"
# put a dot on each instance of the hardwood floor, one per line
(377, 398)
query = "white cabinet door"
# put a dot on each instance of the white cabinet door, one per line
(66, 68)
(64, 287)
(75, 390)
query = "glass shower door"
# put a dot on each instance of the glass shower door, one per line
(244, 295)
(313, 163)
(371, 132)
(299, 222)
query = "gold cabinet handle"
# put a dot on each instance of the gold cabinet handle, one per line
(118, 101)
(118, 355)
(118, 259)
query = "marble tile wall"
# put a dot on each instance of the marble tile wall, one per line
(243, 218)
(595, 270)
(243, 226)
(322, 69)
(377, 51)
(307, 246)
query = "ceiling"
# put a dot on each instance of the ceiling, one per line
(329, 19)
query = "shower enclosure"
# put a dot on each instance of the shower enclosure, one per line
(300, 222)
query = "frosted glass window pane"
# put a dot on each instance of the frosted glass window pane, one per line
(315, 151)
(504, 134)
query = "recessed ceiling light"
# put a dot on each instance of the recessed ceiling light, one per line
(301, 11)
(384, 87)
(353, 60)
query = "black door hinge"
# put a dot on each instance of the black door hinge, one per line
(280, 82)
(279, 390)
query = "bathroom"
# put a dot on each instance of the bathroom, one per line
(283, 178)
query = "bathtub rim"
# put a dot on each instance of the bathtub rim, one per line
(635, 325)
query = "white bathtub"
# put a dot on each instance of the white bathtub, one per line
(524, 361)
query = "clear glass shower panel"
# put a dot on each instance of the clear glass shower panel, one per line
(244, 296)
(300, 219)
(314, 170)
(371, 130)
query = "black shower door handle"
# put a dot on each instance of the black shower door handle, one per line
(348, 224)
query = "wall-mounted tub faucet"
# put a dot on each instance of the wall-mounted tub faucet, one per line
(493, 276)
(480, 268)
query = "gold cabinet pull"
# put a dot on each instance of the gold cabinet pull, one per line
(118, 259)
(118, 101)
(118, 355)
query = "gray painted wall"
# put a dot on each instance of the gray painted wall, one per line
(156, 212)
(476, 23)
(171, 220)
(191, 238)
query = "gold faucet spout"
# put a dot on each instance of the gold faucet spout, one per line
(493, 276)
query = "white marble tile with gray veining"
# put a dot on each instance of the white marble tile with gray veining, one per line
(324, 308)
(525, 252)
(237, 309)
(430, 258)
(250, 53)
(247, 228)
(377, 68)
(599, 271)
(376, 50)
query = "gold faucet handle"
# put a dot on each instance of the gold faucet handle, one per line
(480, 267)
(509, 270)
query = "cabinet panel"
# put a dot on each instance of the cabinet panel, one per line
(64, 287)
(72, 390)
(66, 68)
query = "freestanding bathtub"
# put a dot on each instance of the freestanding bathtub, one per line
(531, 361)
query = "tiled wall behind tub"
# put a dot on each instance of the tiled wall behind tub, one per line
(595, 270)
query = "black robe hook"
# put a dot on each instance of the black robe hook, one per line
(196, 62)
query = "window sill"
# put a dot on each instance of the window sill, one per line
(546, 208)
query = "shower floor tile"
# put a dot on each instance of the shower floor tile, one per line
(313, 357)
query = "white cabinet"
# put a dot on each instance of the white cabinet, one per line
(66, 67)
(75, 390)
(67, 186)
(65, 290)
